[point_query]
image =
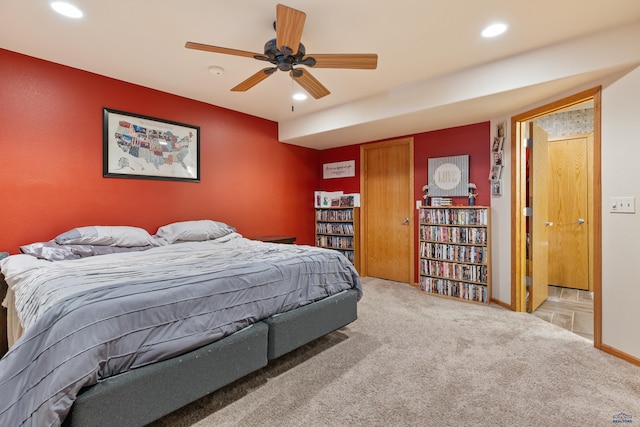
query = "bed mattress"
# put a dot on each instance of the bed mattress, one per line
(92, 318)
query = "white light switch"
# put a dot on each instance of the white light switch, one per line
(622, 204)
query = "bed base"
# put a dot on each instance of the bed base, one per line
(288, 331)
(143, 395)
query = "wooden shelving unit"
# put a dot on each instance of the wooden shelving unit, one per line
(339, 229)
(455, 252)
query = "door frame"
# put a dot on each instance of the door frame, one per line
(408, 142)
(519, 203)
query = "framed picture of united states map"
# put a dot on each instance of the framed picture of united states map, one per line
(137, 146)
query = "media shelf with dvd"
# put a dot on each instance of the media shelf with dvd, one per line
(455, 252)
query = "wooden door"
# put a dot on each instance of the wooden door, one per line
(569, 211)
(387, 214)
(540, 224)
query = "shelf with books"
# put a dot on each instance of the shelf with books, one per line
(455, 252)
(338, 228)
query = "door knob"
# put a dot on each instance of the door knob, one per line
(580, 221)
(406, 221)
(548, 223)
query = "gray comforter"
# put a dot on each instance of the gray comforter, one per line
(95, 317)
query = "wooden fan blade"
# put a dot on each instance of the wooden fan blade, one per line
(216, 49)
(289, 25)
(361, 61)
(253, 80)
(310, 84)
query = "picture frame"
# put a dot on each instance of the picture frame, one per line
(339, 169)
(496, 188)
(144, 147)
(496, 171)
(448, 176)
(498, 142)
(347, 201)
(497, 158)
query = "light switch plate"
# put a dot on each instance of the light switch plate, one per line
(622, 204)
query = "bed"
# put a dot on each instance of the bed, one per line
(124, 338)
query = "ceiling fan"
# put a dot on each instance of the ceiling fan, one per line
(286, 52)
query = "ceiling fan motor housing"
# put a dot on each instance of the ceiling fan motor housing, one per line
(283, 61)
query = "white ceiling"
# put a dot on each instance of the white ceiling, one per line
(434, 69)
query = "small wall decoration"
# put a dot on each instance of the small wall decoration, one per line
(348, 200)
(497, 158)
(497, 144)
(339, 169)
(136, 146)
(448, 176)
(425, 190)
(472, 196)
(496, 188)
(325, 199)
(496, 171)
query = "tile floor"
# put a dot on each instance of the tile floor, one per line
(569, 308)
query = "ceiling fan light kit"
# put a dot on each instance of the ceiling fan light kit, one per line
(285, 53)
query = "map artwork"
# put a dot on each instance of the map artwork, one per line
(136, 146)
(154, 146)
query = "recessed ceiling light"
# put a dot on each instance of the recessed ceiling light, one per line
(494, 30)
(66, 9)
(299, 96)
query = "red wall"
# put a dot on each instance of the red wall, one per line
(341, 154)
(51, 170)
(473, 140)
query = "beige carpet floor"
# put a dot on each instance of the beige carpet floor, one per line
(413, 359)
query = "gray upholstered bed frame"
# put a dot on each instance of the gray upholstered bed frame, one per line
(138, 397)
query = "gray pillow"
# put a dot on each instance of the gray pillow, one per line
(120, 235)
(194, 231)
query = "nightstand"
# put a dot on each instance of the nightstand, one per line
(276, 239)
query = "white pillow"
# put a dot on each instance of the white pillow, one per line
(100, 235)
(194, 231)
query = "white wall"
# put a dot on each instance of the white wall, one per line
(621, 232)
(620, 155)
(501, 223)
